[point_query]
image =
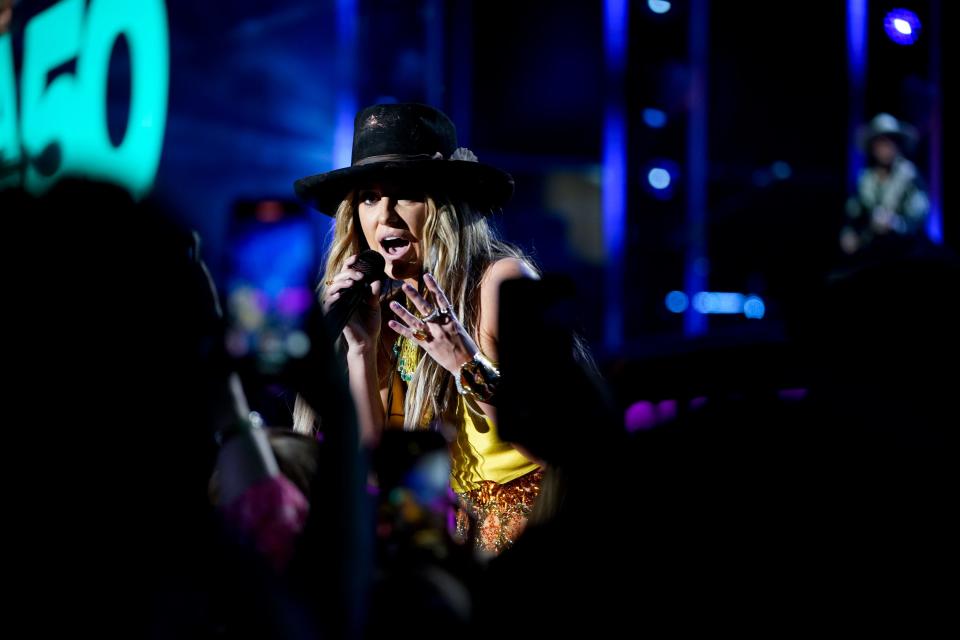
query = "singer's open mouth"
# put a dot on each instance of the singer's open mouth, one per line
(395, 247)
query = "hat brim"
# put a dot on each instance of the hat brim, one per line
(905, 136)
(479, 184)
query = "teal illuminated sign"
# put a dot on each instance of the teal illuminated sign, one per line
(63, 123)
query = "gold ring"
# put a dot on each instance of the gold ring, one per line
(419, 335)
(328, 282)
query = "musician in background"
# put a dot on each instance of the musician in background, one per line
(890, 200)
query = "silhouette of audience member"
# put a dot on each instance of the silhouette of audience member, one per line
(118, 333)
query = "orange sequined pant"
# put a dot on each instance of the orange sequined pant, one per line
(494, 514)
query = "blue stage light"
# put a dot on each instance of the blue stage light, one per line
(659, 6)
(654, 118)
(659, 178)
(902, 26)
(677, 301)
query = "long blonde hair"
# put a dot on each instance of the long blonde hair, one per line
(459, 245)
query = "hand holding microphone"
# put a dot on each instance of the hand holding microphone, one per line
(350, 300)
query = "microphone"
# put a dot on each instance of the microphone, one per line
(370, 263)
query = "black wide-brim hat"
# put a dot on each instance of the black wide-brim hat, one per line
(409, 144)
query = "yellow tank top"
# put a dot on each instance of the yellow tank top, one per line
(478, 453)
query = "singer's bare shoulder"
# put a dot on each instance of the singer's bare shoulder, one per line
(496, 274)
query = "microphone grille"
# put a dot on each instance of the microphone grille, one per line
(370, 263)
